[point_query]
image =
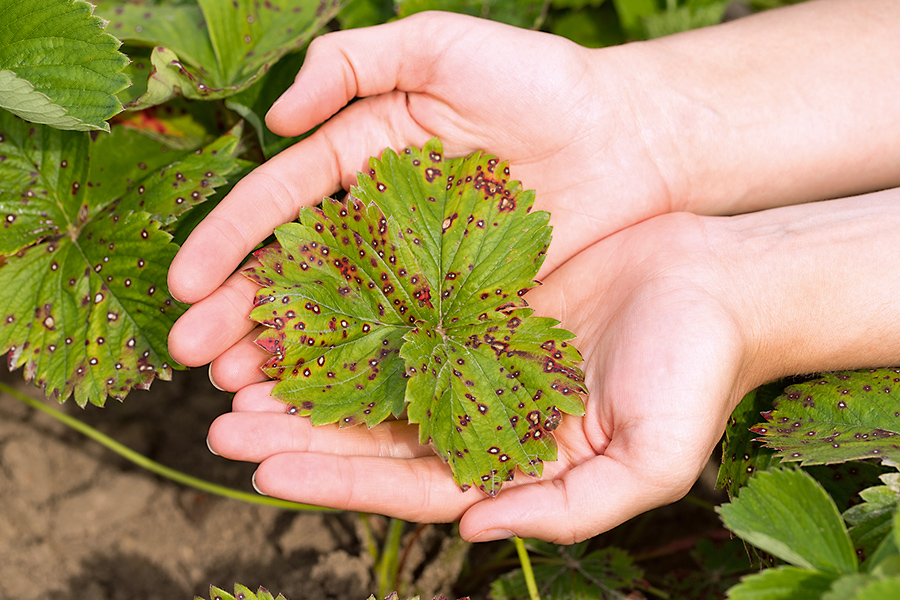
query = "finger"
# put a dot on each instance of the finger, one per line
(214, 324)
(240, 365)
(418, 489)
(255, 436)
(274, 192)
(258, 398)
(343, 65)
(269, 196)
(585, 501)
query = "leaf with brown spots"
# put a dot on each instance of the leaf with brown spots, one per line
(85, 308)
(241, 592)
(847, 415)
(212, 49)
(409, 296)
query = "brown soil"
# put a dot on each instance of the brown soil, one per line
(78, 522)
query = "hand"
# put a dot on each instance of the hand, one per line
(608, 137)
(677, 318)
(664, 360)
(539, 101)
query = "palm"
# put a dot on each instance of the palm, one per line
(661, 385)
(459, 79)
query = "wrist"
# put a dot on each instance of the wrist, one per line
(812, 285)
(772, 109)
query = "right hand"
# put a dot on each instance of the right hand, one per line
(544, 103)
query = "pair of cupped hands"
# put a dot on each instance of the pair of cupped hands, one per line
(677, 315)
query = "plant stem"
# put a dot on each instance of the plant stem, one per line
(365, 520)
(387, 566)
(153, 466)
(527, 571)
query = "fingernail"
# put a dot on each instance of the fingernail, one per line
(210, 447)
(213, 381)
(253, 482)
(492, 535)
(282, 97)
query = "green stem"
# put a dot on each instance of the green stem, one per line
(365, 520)
(708, 506)
(153, 466)
(387, 566)
(526, 569)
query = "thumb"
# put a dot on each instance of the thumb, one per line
(342, 65)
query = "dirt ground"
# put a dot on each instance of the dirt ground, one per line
(77, 522)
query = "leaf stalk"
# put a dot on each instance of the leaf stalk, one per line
(527, 571)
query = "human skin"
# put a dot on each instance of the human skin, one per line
(675, 320)
(680, 317)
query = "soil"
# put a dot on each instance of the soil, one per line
(78, 522)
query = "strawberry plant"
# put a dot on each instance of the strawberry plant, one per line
(121, 126)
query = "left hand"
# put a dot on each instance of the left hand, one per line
(665, 359)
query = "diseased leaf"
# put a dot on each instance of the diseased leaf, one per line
(369, 313)
(783, 583)
(85, 307)
(241, 592)
(740, 456)
(212, 49)
(57, 66)
(848, 415)
(570, 573)
(786, 513)
(845, 481)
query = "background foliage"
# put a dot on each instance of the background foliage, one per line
(120, 128)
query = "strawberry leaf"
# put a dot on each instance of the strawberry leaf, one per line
(57, 66)
(786, 513)
(211, 49)
(572, 573)
(409, 296)
(740, 456)
(85, 304)
(848, 415)
(241, 592)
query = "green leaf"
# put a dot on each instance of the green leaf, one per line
(684, 18)
(179, 124)
(847, 586)
(213, 49)
(254, 102)
(83, 287)
(740, 456)
(879, 590)
(520, 13)
(241, 592)
(365, 13)
(848, 415)
(589, 26)
(871, 521)
(787, 514)
(631, 13)
(783, 583)
(569, 573)
(368, 313)
(57, 66)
